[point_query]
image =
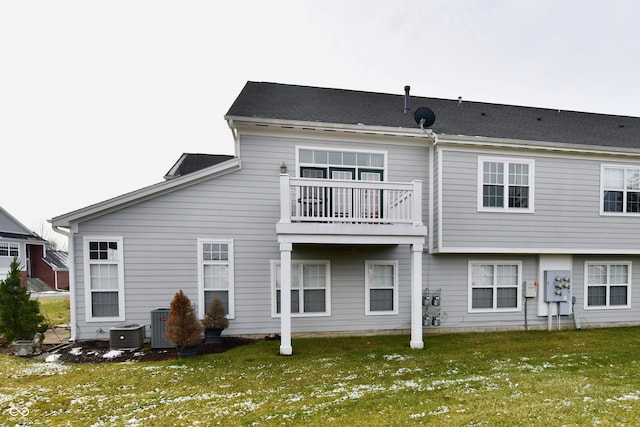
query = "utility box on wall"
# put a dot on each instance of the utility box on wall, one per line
(557, 288)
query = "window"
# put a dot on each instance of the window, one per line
(341, 165)
(608, 285)
(215, 275)
(104, 278)
(505, 184)
(620, 189)
(9, 249)
(381, 287)
(310, 288)
(494, 286)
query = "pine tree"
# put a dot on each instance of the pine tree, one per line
(182, 328)
(20, 317)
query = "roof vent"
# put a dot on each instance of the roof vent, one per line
(407, 101)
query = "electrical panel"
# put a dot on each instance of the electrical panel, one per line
(557, 286)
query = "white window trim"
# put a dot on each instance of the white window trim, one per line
(200, 310)
(367, 287)
(506, 161)
(614, 166)
(87, 278)
(16, 246)
(384, 168)
(518, 287)
(607, 306)
(274, 300)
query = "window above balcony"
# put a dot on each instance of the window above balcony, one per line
(341, 164)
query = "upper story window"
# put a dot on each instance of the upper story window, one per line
(620, 189)
(338, 164)
(9, 249)
(505, 184)
(215, 275)
(104, 278)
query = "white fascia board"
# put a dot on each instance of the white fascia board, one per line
(537, 251)
(462, 140)
(237, 121)
(146, 193)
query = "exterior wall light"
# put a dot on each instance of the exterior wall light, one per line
(283, 167)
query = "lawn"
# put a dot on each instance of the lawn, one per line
(588, 377)
(55, 310)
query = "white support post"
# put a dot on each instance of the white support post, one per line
(416, 296)
(416, 206)
(285, 199)
(285, 299)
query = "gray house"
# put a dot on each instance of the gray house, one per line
(344, 213)
(17, 241)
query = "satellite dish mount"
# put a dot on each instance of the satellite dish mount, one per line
(424, 117)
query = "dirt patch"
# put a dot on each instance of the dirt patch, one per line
(99, 352)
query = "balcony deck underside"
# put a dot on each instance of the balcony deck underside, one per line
(327, 233)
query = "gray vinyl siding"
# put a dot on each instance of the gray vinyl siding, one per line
(596, 317)
(160, 244)
(449, 273)
(566, 208)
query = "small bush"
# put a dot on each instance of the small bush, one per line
(183, 328)
(20, 317)
(215, 317)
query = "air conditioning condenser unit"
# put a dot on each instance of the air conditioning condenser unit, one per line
(126, 337)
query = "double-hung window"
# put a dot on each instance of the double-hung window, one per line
(310, 288)
(505, 184)
(494, 286)
(9, 249)
(381, 285)
(620, 189)
(215, 275)
(104, 278)
(608, 285)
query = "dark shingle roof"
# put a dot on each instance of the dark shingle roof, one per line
(57, 259)
(323, 105)
(188, 163)
(31, 237)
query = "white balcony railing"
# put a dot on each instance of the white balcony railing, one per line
(344, 201)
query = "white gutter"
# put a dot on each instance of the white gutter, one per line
(357, 128)
(72, 280)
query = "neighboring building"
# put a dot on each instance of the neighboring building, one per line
(16, 240)
(339, 214)
(52, 267)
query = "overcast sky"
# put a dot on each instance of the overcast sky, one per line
(100, 98)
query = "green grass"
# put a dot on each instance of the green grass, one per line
(55, 310)
(588, 377)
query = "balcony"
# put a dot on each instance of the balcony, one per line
(345, 211)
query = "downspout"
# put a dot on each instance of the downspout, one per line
(432, 160)
(55, 279)
(72, 281)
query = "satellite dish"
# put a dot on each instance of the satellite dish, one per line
(424, 117)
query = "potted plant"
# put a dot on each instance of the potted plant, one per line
(20, 318)
(183, 328)
(214, 322)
